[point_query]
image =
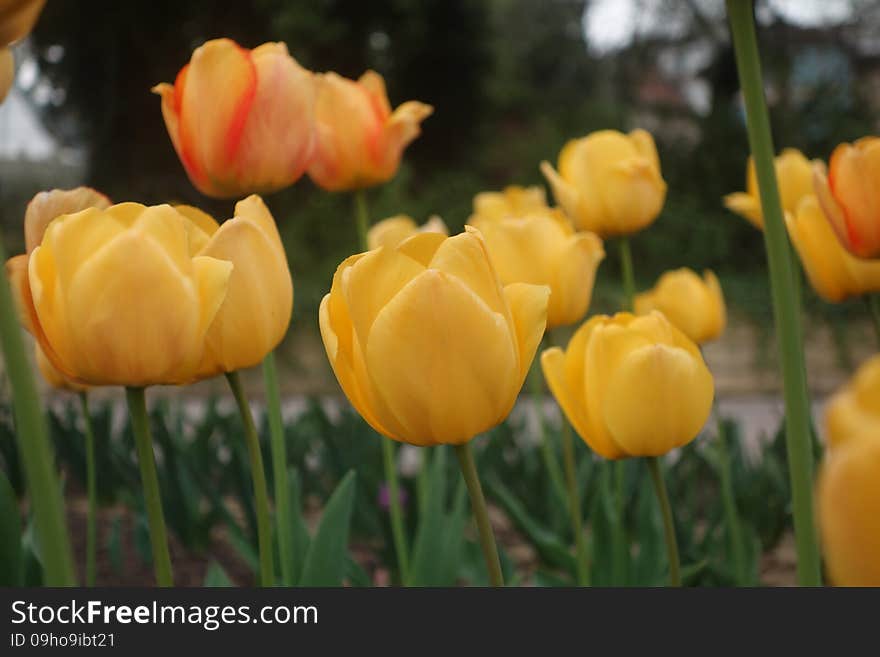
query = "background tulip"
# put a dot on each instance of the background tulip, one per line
(850, 195)
(255, 313)
(848, 500)
(7, 72)
(513, 201)
(834, 273)
(116, 298)
(855, 408)
(542, 248)
(17, 18)
(695, 305)
(794, 175)
(393, 230)
(609, 182)
(425, 343)
(241, 120)
(631, 386)
(360, 140)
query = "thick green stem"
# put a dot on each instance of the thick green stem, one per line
(551, 464)
(389, 451)
(728, 500)
(140, 424)
(668, 522)
(626, 270)
(37, 457)
(789, 337)
(92, 492)
(874, 308)
(481, 513)
(283, 518)
(582, 559)
(258, 472)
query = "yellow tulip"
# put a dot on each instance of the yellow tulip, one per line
(543, 249)
(848, 501)
(609, 182)
(513, 201)
(17, 18)
(7, 72)
(855, 408)
(794, 176)
(631, 386)
(241, 120)
(114, 296)
(425, 342)
(850, 195)
(833, 271)
(254, 316)
(695, 305)
(393, 230)
(360, 140)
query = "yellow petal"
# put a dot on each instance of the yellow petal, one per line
(391, 231)
(848, 501)
(528, 307)
(442, 361)
(17, 273)
(17, 18)
(657, 398)
(7, 72)
(574, 280)
(199, 226)
(746, 206)
(465, 257)
(46, 206)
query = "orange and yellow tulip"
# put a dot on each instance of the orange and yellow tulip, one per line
(850, 195)
(241, 121)
(359, 139)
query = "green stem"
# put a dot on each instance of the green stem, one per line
(283, 518)
(389, 451)
(626, 270)
(481, 513)
(37, 457)
(92, 492)
(582, 560)
(620, 549)
(874, 308)
(389, 463)
(729, 502)
(547, 453)
(789, 338)
(668, 522)
(140, 424)
(258, 472)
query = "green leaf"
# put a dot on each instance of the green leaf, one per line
(216, 577)
(651, 564)
(301, 538)
(11, 565)
(114, 545)
(325, 560)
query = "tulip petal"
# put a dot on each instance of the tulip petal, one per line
(574, 279)
(442, 360)
(571, 200)
(528, 307)
(17, 273)
(199, 227)
(674, 403)
(746, 206)
(115, 342)
(46, 206)
(553, 366)
(402, 128)
(465, 256)
(17, 18)
(7, 72)
(391, 231)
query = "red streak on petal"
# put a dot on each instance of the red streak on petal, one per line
(852, 236)
(193, 168)
(242, 110)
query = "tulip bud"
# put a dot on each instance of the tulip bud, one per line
(848, 501)
(794, 176)
(115, 297)
(849, 195)
(608, 182)
(425, 342)
(241, 120)
(360, 140)
(392, 231)
(855, 408)
(543, 249)
(7, 72)
(254, 316)
(833, 271)
(695, 305)
(514, 201)
(17, 18)
(631, 386)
